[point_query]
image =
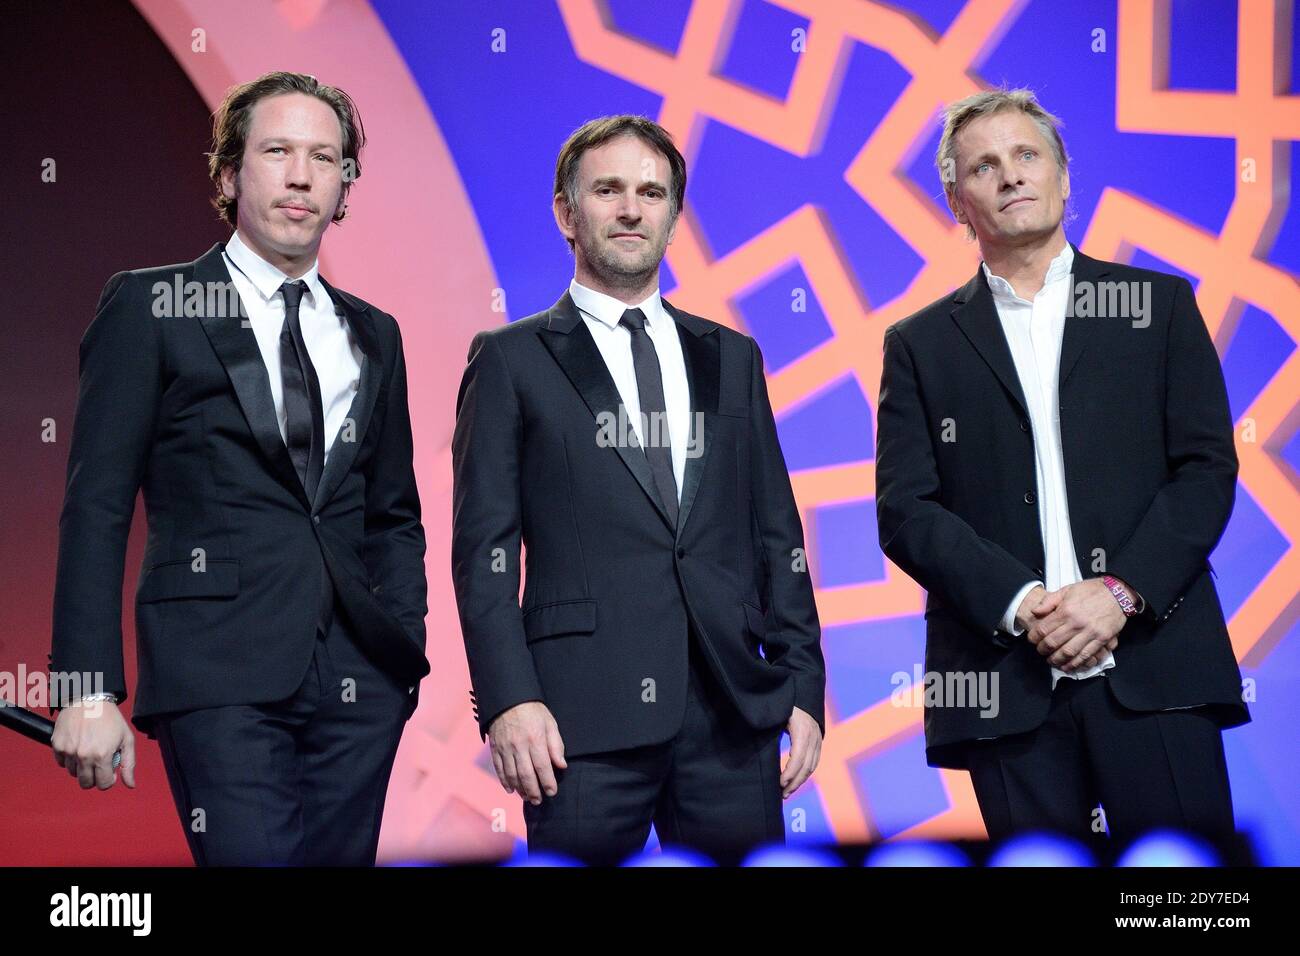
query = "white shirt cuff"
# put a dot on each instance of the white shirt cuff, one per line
(1008, 622)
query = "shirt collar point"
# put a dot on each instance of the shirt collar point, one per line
(608, 310)
(263, 276)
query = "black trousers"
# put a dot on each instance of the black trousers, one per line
(715, 788)
(1146, 770)
(297, 782)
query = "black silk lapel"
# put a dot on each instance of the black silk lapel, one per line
(344, 453)
(569, 341)
(703, 368)
(235, 344)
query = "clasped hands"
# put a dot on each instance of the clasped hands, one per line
(1075, 627)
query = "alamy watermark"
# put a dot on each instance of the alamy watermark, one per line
(616, 431)
(947, 689)
(37, 690)
(1090, 299)
(195, 299)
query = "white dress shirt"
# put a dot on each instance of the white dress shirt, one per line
(1034, 331)
(334, 352)
(602, 313)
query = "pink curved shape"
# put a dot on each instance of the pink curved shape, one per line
(412, 246)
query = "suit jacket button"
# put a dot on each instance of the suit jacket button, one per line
(316, 518)
(1030, 497)
(1024, 424)
(376, 589)
(681, 552)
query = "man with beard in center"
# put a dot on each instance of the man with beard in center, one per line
(667, 634)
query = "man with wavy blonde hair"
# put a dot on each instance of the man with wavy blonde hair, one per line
(263, 412)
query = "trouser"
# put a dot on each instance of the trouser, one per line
(300, 781)
(1145, 769)
(714, 787)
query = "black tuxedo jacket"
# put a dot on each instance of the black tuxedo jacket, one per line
(1150, 471)
(226, 607)
(610, 585)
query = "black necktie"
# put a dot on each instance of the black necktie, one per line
(304, 425)
(304, 419)
(650, 388)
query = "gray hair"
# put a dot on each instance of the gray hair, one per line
(986, 103)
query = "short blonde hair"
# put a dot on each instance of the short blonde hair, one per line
(986, 103)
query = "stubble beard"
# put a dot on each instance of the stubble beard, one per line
(616, 271)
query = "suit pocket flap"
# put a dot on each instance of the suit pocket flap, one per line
(754, 618)
(178, 579)
(562, 617)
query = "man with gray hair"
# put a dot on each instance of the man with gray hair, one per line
(1055, 414)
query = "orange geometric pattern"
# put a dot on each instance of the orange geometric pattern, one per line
(1261, 118)
(943, 68)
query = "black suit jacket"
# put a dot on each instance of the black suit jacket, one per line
(181, 407)
(601, 635)
(1150, 471)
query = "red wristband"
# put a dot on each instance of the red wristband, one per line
(1125, 602)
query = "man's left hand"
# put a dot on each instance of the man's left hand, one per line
(805, 751)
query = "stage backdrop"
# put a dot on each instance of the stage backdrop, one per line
(814, 219)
